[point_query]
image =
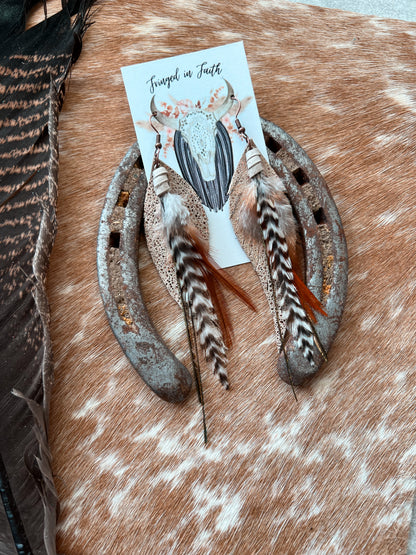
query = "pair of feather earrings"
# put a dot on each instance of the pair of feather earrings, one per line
(264, 216)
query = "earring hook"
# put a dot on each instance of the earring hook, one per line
(153, 115)
(241, 130)
(158, 144)
(233, 97)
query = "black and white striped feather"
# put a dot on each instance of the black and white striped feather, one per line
(192, 275)
(278, 226)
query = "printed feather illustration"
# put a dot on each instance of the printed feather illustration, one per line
(33, 67)
(214, 192)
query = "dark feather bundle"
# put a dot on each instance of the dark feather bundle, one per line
(33, 67)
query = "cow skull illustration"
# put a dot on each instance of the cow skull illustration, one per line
(198, 128)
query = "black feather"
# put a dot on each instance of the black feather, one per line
(33, 67)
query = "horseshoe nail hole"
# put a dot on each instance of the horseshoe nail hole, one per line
(319, 216)
(139, 163)
(272, 144)
(114, 239)
(123, 198)
(300, 176)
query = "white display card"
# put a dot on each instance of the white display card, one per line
(200, 142)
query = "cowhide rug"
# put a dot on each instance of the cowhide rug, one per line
(333, 473)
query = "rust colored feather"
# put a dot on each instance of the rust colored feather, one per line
(218, 273)
(307, 299)
(214, 275)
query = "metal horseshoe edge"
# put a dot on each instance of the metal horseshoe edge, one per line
(325, 253)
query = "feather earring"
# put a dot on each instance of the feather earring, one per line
(197, 276)
(263, 214)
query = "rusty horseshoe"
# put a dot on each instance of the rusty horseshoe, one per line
(325, 254)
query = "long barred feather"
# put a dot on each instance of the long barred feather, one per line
(191, 272)
(275, 219)
(34, 65)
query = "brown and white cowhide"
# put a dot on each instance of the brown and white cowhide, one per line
(333, 473)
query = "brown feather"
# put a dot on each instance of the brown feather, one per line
(218, 273)
(308, 299)
(214, 275)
